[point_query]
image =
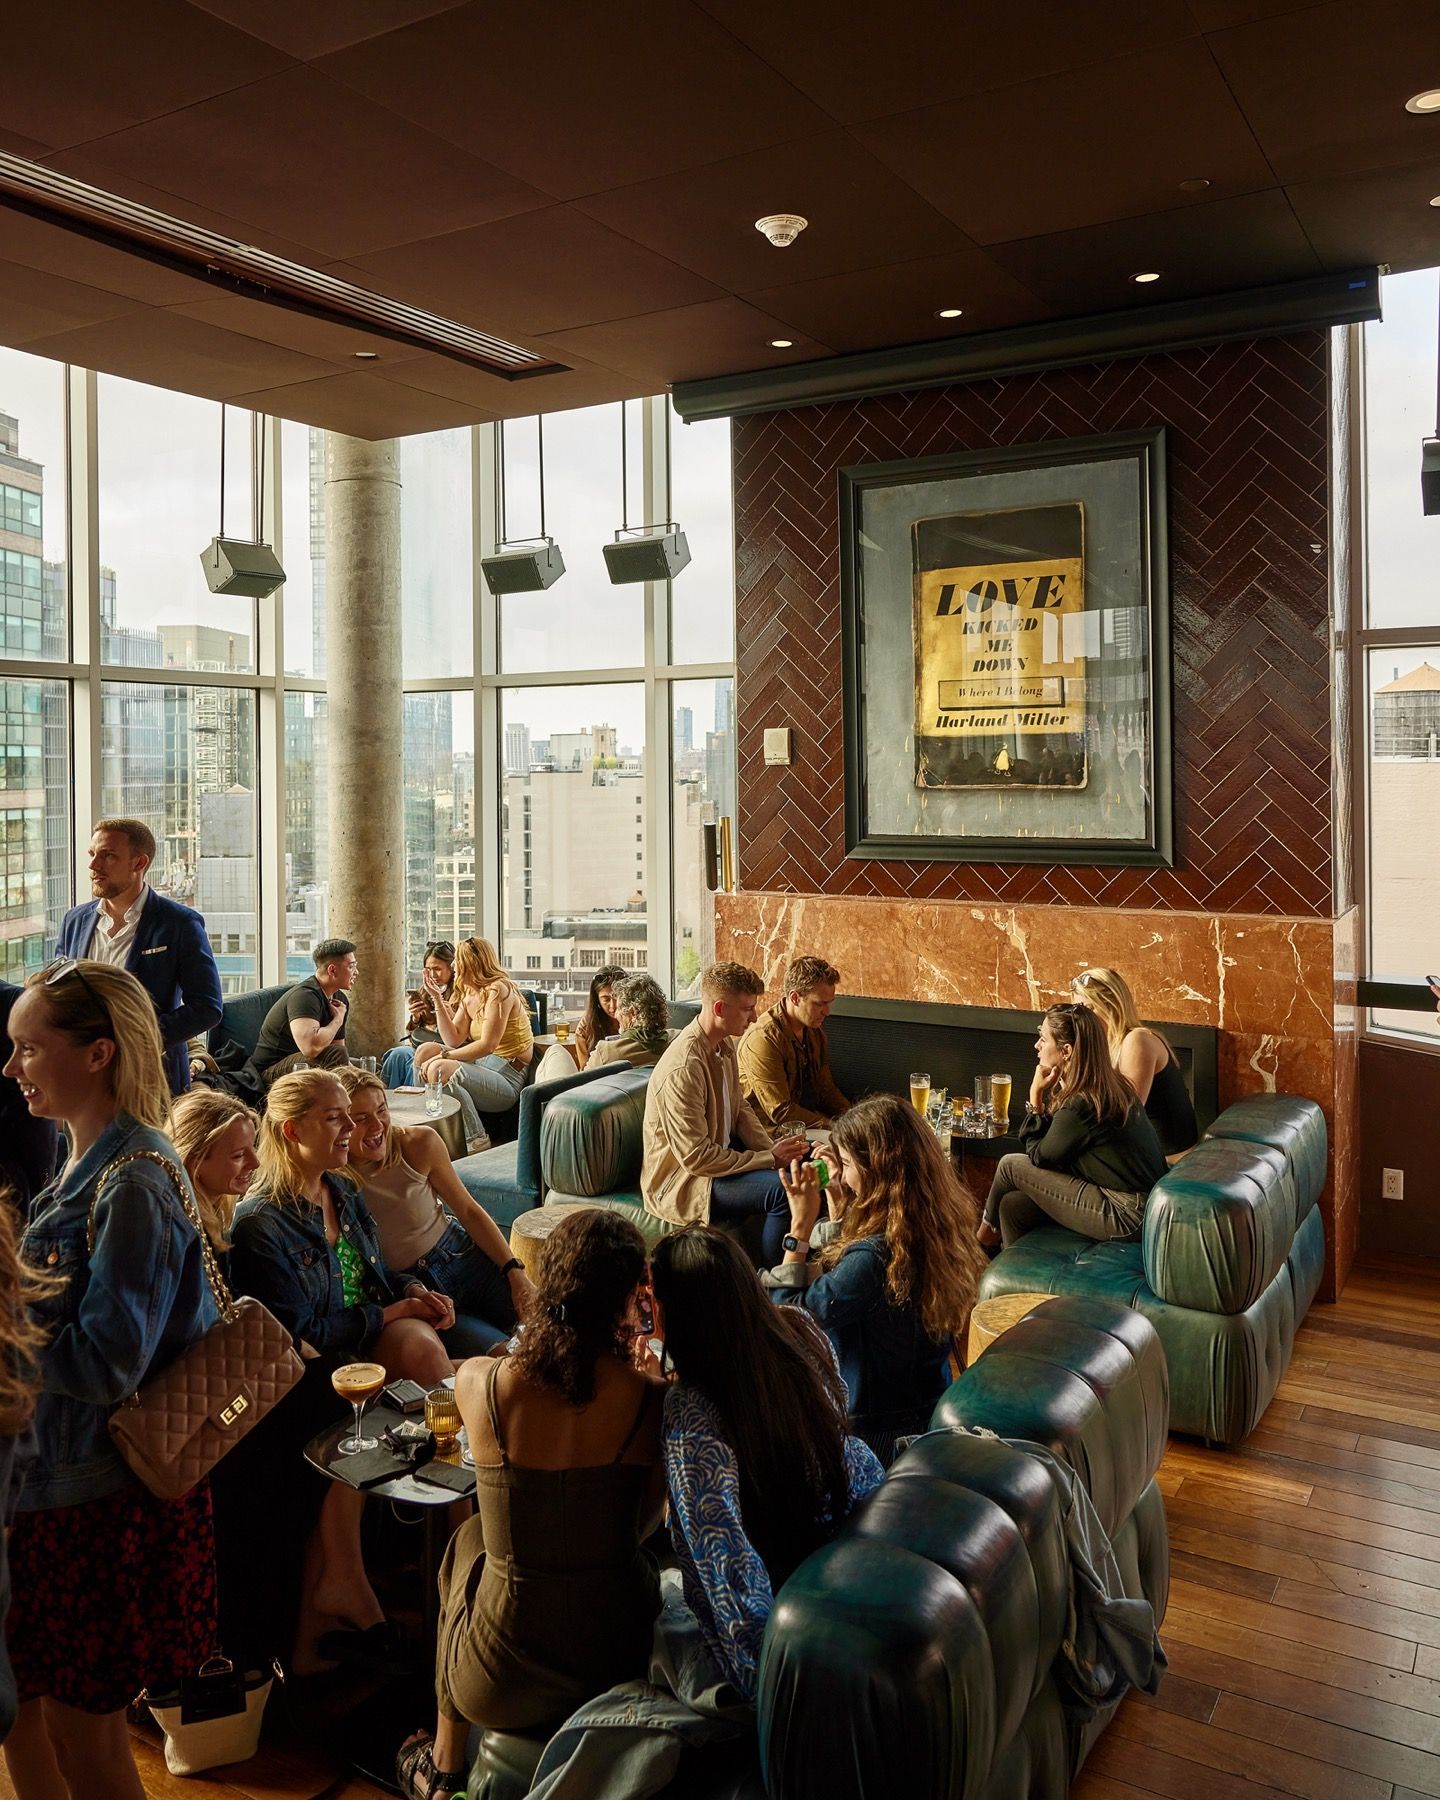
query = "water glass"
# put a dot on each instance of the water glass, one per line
(982, 1091)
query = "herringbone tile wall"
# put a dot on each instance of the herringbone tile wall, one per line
(1248, 534)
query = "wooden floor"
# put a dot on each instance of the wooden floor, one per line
(1304, 1623)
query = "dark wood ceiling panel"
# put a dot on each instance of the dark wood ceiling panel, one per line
(897, 304)
(40, 245)
(160, 347)
(1245, 242)
(580, 383)
(575, 97)
(861, 215)
(861, 61)
(331, 341)
(365, 406)
(311, 31)
(1219, 15)
(492, 277)
(1325, 88)
(710, 339)
(1386, 217)
(80, 69)
(34, 305)
(1103, 142)
(302, 156)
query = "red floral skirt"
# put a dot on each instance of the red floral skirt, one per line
(110, 1597)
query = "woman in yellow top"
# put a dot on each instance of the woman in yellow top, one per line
(488, 1044)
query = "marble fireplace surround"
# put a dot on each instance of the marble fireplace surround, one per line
(1274, 987)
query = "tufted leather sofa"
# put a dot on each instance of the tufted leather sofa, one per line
(1229, 1260)
(913, 1655)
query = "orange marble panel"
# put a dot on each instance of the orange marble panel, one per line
(1269, 985)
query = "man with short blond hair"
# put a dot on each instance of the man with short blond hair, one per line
(707, 1156)
(160, 941)
(785, 1058)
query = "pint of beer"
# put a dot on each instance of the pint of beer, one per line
(1000, 1100)
(920, 1092)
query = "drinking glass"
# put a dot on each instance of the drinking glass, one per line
(1000, 1100)
(562, 1031)
(442, 1415)
(982, 1091)
(920, 1091)
(358, 1383)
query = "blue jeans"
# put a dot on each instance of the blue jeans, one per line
(397, 1066)
(736, 1197)
(484, 1312)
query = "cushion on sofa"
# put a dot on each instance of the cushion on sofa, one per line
(1219, 1225)
(242, 1015)
(591, 1139)
(1287, 1123)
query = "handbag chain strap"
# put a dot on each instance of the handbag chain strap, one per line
(219, 1287)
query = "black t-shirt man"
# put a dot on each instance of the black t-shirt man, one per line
(306, 1000)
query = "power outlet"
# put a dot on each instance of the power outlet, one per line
(1392, 1184)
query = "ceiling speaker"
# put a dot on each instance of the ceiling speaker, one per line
(523, 571)
(651, 556)
(234, 566)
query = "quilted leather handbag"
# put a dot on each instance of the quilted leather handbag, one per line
(179, 1424)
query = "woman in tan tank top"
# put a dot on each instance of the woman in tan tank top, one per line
(547, 1597)
(488, 1045)
(430, 1228)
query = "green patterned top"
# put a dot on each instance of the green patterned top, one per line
(355, 1278)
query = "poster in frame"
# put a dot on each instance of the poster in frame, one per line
(1006, 655)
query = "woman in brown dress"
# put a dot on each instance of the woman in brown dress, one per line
(547, 1597)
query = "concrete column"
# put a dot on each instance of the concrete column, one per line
(366, 772)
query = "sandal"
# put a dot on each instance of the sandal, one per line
(417, 1775)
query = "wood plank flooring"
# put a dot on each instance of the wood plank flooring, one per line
(1304, 1623)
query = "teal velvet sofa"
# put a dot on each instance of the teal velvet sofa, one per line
(914, 1655)
(1231, 1255)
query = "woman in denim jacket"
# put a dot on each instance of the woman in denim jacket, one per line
(114, 1590)
(305, 1245)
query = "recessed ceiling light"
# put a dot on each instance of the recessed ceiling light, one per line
(950, 312)
(1196, 185)
(782, 343)
(1436, 200)
(367, 356)
(1427, 102)
(1147, 275)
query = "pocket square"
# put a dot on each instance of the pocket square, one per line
(155, 950)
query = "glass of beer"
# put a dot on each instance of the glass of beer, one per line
(920, 1091)
(1000, 1102)
(358, 1383)
(442, 1415)
(562, 1031)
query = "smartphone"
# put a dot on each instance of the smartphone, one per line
(404, 1396)
(647, 1315)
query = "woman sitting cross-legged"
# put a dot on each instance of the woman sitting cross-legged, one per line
(113, 1589)
(1144, 1057)
(430, 1228)
(397, 1066)
(305, 1245)
(1091, 1155)
(754, 1488)
(488, 1044)
(898, 1282)
(547, 1598)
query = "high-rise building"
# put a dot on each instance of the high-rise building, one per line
(428, 756)
(577, 843)
(684, 728)
(517, 749)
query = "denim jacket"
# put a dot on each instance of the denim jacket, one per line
(282, 1256)
(124, 1311)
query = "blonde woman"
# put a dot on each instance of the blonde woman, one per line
(1143, 1057)
(430, 1228)
(215, 1135)
(114, 1590)
(898, 1283)
(488, 1044)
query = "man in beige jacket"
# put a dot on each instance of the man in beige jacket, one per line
(784, 1058)
(707, 1157)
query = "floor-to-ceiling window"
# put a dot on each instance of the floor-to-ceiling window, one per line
(562, 752)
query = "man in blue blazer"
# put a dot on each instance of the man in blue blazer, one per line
(162, 943)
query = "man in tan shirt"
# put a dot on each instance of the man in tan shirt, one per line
(784, 1057)
(707, 1156)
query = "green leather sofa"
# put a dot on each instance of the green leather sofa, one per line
(1231, 1255)
(913, 1655)
(592, 1145)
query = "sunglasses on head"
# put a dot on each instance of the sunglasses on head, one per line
(70, 965)
(443, 948)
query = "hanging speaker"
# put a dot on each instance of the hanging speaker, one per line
(523, 571)
(233, 566)
(647, 556)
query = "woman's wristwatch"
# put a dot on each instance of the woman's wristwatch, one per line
(794, 1245)
(514, 1263)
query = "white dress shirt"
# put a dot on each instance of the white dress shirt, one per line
(110, 942)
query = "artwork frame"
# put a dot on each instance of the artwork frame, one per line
(996, 497)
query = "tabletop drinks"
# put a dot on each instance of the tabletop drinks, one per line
(432, 1098)
(442, 1415)
(1000, 1102)
(562, 1031)
(920, 1092)
(358, 1383)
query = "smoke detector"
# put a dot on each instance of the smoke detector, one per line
(781, 228)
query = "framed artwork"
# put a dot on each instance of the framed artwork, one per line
(1006, 622)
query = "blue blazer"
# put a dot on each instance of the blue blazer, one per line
(171, 958)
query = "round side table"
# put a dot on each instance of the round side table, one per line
(531, 1229)
(409, 1109)
(992, 1317)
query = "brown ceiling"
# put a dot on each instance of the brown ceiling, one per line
(583, 178)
